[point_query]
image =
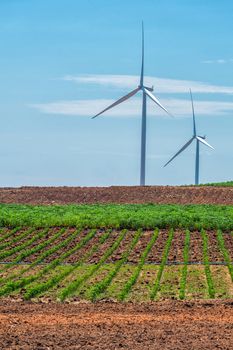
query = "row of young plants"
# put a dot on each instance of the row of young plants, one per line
(8, 233)
(26, 243)
(60, 276)
(167, 247)
(48, 277)
(73, 287)
(133, 279)
(29, 252)
(209, 279)
(225, 252)
(184, 272)
(15, 239)
(127, 216)
(100, 287)
(43, 284)
(18, 280)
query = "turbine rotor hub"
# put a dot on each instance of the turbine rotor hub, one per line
(146, 87)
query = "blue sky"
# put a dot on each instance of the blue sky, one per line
(62, 61)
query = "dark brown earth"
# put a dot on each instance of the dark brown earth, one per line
(118, 194)
(160, 325)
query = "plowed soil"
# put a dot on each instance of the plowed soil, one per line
(118, 194)
(161, 325)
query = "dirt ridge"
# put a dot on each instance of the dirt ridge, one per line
(118, 194)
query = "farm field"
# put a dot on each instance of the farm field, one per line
(130, 274)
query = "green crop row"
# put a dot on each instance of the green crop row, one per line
(100, 287)
(75, 285)
(28, 252)
(21, 282)
(127, 216)
(40, 287)
(9, 233)
(22, 246)
(132, 280)
(156, 286)
(185, 267)
(207, 265)
(225, 252)
(16, 239)
(60, 276)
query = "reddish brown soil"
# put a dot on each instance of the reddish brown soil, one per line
(118, 194)
(160, 325)
(196, 249)
(156, 253)
(177, 247)
(136, 253)
(228, 238)
(213, 247)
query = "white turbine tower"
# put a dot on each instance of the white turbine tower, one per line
(146, 92)
(198, 140)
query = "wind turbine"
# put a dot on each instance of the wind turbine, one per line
(198, 140)
(146, 92)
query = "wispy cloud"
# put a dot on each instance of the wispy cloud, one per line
(218, 61)
(132, 107)
(161, 85)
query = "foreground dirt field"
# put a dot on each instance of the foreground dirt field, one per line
(164, 325)
(116, 194)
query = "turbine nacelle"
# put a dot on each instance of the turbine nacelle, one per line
(142, 87)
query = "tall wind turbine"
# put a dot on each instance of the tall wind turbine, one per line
(198, 140)
(146, 92)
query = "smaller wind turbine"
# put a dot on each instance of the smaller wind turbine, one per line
(198, 140)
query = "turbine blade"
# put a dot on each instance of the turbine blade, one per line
(204, 142)
(181, 150)
(122, 99)
(194, 122)
(153, 98)
(142, 68)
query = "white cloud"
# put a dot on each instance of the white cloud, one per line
(161, 85)
(218, 61)
(132, 107)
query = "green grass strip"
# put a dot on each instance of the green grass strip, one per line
(156, 286)
(209, 280)
(8, 234)
(100, 287)
(23, 281)
(75, 285)
(132, 280)
(40, 288)
(225, 252)
(28, 252)
(185, 267)
(119, 216)
(220, 184)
